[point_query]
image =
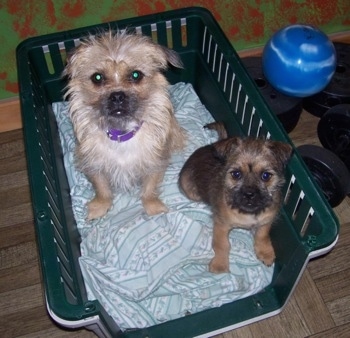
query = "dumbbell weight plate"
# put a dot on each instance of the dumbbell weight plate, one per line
(333, 131)
(338, 90)
(329, 172)
(286, 108)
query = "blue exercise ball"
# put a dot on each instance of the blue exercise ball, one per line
(299, 60)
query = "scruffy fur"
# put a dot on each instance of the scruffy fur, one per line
(241, 179)
(116, 81)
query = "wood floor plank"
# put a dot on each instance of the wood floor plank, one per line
(32, 320)
(343, 211)
(337, 260)
(58, 333)
(244, 331)
(16, 214)
(19, 276)
(21, 299)
(340, 310)
(334, 286)
(15, 234)
(11, 149)
(341, 331)
(289, 323)
(306, 134)
(13, 164)
(35, 323)
(311, 304)
(15, 196)
(13, 180)
(10, 136)
(18, 255)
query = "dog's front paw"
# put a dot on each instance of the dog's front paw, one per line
(219, 265)
(154, 206)
(265, 253)
(98, 208)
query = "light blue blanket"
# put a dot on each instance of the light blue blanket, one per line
(147, 270)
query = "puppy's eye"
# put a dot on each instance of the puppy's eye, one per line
(97, 78)
(266, 176)
(236, 174)
(136, 76)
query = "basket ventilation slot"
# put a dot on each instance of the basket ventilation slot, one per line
(297, 206)
(251, 123)
(55, 55)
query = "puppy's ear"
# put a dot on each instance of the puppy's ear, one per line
(227, 146)
(172, 57)
(282, 151)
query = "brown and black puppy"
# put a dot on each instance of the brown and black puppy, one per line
(241, 179)
(122, 116)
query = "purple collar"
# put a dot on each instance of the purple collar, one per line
(122, 135)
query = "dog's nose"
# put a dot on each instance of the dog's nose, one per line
(249, 194)
(117, 97)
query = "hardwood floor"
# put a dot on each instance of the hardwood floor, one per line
(319, 307)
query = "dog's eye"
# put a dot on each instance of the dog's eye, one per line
(97, 78)
(236, 174)
(136, 76)
(266, 176)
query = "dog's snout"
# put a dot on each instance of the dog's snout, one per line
(117, 97)
(249, 193)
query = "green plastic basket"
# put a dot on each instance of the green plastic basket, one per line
(306, 228)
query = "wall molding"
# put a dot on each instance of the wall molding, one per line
(10, 112)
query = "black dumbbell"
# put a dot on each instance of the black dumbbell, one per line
(338, 90)
(329, 172)
(333, 131)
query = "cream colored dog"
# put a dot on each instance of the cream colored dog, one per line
(122, 116)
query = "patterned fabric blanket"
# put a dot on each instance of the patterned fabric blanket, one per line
(147, 270)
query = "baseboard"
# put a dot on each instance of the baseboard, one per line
(10, 113)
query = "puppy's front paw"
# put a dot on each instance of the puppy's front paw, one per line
(219, 265)
(265, 253)
(98, 208)
(154, 206)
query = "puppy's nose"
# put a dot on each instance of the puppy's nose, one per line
(117, 97)
(249, 194)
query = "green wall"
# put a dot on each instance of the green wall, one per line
(247, 23)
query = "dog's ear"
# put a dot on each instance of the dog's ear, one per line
(226, 146)
(68, 66)
(282, 151)
(72, 55)
(172, 57)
